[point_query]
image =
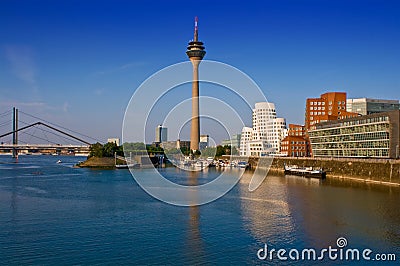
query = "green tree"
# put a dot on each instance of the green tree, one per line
(209, 152)
(235, 151)
(185, 151)
(109, 149)
(96, 150)
(153, 149)
(225, 150)
(173, 151)
(134, 146)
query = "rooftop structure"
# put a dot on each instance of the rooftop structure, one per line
(367, 106)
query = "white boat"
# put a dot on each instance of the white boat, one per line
(126, 166)
(210, 159)
(242, 164)
(201, 164)
(59, 161)
(305, 171)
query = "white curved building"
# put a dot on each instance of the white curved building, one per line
(266, 134)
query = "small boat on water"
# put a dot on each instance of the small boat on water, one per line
(242, 164)
(201, 164)
(127, 166)
(59, 161)
(305, 171)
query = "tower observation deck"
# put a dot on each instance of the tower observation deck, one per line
(195, 51)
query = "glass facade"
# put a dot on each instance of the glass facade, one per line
(364, 137)
(366, 106)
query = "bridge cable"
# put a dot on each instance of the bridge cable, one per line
(58, 135)
(5, 113)
(6, 123)
(39, 138)
(61, 126)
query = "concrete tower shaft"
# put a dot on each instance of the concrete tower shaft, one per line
(195, 51)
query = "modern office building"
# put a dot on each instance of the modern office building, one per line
(234, 141)
(175, 144)
(113, 140)
(204, 142)
(329, 106)
(266, 134)
(367, 106)
(374, 135)
(161, 134)
(245, 138)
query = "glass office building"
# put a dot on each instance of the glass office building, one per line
(367, 106)
(375, 135)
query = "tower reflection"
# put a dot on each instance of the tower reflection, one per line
(194, 243)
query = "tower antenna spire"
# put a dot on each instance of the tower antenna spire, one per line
(196, 32)
(195, 52)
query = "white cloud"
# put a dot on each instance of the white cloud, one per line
(65, 107)
(120, 68)
(22, 104)
(22, 64)
(99, 92)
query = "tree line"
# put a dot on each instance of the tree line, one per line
(109, 149)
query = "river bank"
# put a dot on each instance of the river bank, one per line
(366, 170)
(100, 163)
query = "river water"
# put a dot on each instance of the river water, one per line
(52, 214)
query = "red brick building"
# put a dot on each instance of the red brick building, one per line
(295, 146)
(329, 106)
(296, 130)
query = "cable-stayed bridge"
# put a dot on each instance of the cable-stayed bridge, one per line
(23, 133)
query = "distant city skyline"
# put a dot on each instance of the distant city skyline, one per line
(78, 63)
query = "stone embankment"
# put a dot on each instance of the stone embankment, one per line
(367, 170)
(100, 163)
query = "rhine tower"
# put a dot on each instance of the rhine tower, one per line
(195, 52)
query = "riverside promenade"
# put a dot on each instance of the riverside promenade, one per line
(384, 171)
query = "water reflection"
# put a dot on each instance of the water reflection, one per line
(194, 244)
(311, 212)
(265, 210)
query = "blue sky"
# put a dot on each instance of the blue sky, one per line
(77, 63)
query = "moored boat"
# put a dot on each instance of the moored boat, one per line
(126, 166)
(242, 164)
(305, 171)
